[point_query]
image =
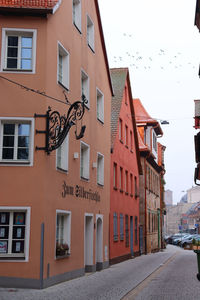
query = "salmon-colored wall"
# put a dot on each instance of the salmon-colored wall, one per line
(40, 186)
(120, 202)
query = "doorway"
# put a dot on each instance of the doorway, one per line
(99, 243)
(89, 228)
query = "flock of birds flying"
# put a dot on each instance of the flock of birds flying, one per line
(162, 59)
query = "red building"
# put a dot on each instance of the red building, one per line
(125, 170)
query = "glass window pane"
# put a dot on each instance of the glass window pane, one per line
(23, 141)
(12, 63)
(27, 42)
(4, 232)
(8, 153)
(12, 40)
(24, 129)
(4, 218)
(9, 129)
(18, 247)
(8, 141)
(12, 52)
(3, 246)
(23, 153)
(18, 232)
(26, 53)
(26, 64)
(19, 218)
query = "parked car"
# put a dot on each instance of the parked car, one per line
(189, 240)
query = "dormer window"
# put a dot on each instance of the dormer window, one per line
(154, 141)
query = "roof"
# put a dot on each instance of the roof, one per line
(28, 3)
(119, 76)
(142, 117)
(142, 145)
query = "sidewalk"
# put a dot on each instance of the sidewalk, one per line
(112, 283)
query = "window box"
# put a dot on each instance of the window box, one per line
(18, 50)
(63, 233)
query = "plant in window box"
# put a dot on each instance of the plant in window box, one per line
(61, 249)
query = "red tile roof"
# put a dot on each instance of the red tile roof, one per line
(28, 3)
(142, 116)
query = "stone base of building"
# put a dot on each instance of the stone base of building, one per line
(119, 259)
(14, 282)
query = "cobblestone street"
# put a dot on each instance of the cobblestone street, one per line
(170, 274)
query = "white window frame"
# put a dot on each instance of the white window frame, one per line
(100, 105)
(18, 32)
(66, 229)
(65, 81)
(76, 13)
(84, 161)
(62, 155)
(100, 168)
(19, 257)
(18, 162)
(85, 87)
(90, 33)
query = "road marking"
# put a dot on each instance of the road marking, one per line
(134, 292)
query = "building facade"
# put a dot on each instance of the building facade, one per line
(151, 186)
(54, 211)
(125, 169)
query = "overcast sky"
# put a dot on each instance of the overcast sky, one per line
(158, 42)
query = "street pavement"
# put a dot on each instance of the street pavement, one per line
(170, 275)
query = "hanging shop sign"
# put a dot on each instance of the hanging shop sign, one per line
(79, 192)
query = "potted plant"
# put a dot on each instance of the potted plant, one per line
(61, 249)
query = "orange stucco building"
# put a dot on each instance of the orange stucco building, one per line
(55, 49)
(151, 181)
(125, 170)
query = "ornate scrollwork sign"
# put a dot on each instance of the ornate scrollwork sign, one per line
(57, 126)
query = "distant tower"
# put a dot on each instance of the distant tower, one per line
(168, 198)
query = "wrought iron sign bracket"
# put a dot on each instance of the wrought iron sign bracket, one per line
(57, 126)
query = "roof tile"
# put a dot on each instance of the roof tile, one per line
(28, 3)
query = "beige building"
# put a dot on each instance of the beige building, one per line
(168, 197)
(193, 194)
(172, 219)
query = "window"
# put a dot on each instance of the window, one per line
(131, 183)
(77, 14)
(115, 175)
(62, 155)
(121, 227)
(14, 233)
(120, 130)
(16, 141)
(131, 140)
(85, 90)
(63, 66)
(100, 169)
(136, 189)
(63, 227)
(127, 230)
(85, 160)
(126, 182)
(154, 141)
(90, 33)
(136, 230)
(18, 50)
(126, 136)
(100, 106)
(115, 227)
(121, 179)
